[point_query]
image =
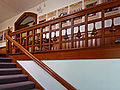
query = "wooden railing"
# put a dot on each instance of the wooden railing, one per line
(41, 64)
(72, 31)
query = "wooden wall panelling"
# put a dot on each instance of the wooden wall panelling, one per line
(106, 52)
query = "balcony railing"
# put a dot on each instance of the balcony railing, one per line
(91, 27)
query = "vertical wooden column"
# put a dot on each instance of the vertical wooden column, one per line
(103, 31)
(50, 27)
(26, 43)
(20, 38)
(72, 33)
(86, 30)
(7, 41)
(33, 41)
(60, 35)
(41, 38)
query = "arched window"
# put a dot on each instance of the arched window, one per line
(26, 20)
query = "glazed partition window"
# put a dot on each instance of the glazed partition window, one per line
(91, 27)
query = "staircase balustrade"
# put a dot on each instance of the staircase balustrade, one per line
(65, 35)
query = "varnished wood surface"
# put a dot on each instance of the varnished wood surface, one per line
(72, 39)
(95, 8)
(42, 65)
(3, 50)
(107, 52)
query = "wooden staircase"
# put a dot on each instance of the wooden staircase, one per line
(11, 78)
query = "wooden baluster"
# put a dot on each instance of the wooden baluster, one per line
(50, 36)
(95, 34)
(79, 37)
(75, 42)
(41, 38)
(66, 37)
(9, 43)
(72, 33)
(91, 40)
(27, 40)
(83, 41)
(33, 41)
(54, 40)
(113, 28)
(20, 38)
(68, 44)
(39, 42)
(86, 30)
(103, 30)
(60, 35)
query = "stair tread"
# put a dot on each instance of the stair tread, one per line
(4, 58)
(6, 63)
(18, 84)
(12, 76)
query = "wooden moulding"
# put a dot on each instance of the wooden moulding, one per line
(106, 52)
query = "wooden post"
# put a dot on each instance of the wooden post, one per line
(60, 35)
(33, 41)
(103, 31)
(50, 27)
(7, 49)
(86, 30)
(41, 37)
(26, 43)
(8, 43)
(72, 33)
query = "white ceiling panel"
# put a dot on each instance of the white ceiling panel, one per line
(10, 8)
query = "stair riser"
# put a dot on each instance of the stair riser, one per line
(5, 60)
(10, 72)
(7, 65)
(24, 87)
(2, 55)
(13, 80)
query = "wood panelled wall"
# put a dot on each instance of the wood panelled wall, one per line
(107, 52)
(3, 50)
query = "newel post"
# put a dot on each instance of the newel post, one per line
(8, 43)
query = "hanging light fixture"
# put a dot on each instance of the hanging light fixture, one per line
(40, 8)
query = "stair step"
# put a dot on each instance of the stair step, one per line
(10, 71)
(7, 65)
(2, 54)
(5, 79)
(4, 59)
(18, 86)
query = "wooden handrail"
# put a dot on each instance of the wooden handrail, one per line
(95, 8)
(42, 65)
(38, 42)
